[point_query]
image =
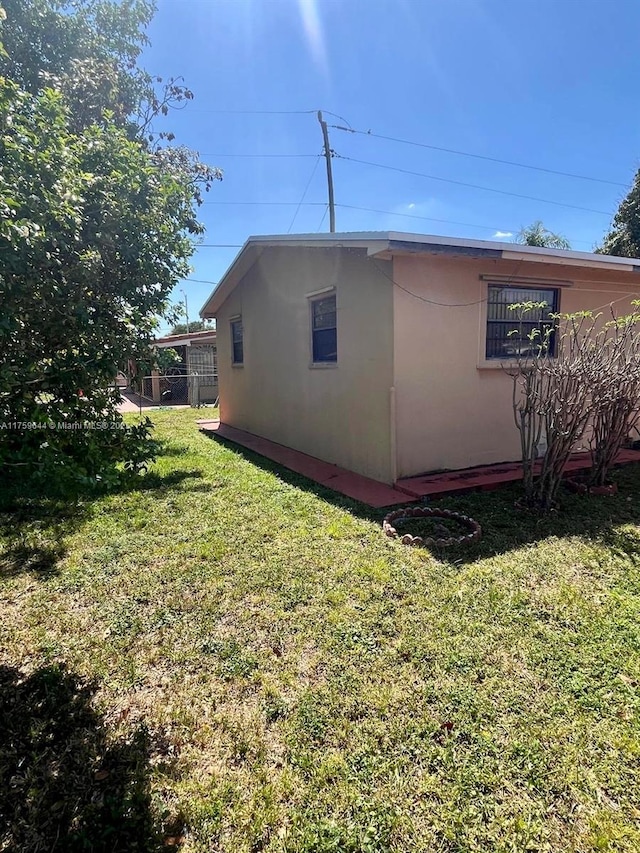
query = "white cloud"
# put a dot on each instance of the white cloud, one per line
(501, 234)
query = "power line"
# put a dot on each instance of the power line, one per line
(472, 186)
(425, 218)
(223, 156)
(480, 156)
(304, 194)
(455, 151)
(255, 112)
(277, 203)
(442, 221)
(324, 215)
(267, 113)
(511, 229)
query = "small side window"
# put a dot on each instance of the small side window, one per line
(237, 342)
(324, 330)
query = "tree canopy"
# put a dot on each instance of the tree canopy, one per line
(97, 224)
(537, 235)
(624, 237)
(194, 326)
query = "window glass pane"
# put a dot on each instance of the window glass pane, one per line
(325, 345)
(324, 312)
(237, 341)
(323, 329)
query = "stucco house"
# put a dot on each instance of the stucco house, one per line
(383, 353)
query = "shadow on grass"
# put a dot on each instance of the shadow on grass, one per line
(34, 526)
(597, 519)
(355, 507)
(65, 784)
(33, 530)
(505, 526)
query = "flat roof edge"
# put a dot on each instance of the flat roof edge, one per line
(380, 241)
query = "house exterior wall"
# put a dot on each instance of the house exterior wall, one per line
(453, 408)
(340, 413)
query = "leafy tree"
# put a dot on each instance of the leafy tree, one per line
(87, 50)
(624, 237)
(194, 326)
(96, 227)
(537, 235)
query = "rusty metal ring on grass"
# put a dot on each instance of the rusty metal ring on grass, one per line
(475, 531)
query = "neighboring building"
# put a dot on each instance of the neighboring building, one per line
(194, 379)
(383, 352)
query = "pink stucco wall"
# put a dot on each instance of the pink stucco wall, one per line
(452, 407)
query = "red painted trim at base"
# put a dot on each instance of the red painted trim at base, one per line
(408, 489)
(488, 477)
(363, 489)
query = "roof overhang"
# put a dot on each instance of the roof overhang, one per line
(386, 244)
(185, 340)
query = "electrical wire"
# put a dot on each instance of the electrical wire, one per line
(479, 156)
(432, 301)
(400, 141)
(304, 194)
(268, 113)
(417, 296)
(256, 112)
(222, 156)
(510, 230)
(443, 221)
(324, 216)
(508, 281)
(424, 218)
(471, 186)
(276, 203)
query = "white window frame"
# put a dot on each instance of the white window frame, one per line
(312, 298)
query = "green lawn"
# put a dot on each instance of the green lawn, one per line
(228, 658)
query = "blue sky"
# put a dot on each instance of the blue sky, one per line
(550, 83)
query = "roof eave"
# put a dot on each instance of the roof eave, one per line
(386, 244)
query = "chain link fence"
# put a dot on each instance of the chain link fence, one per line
(179, 388)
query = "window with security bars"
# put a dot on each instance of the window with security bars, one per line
(509, 331)
(237, 342)
(324, 330)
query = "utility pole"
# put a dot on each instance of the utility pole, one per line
(186, 309)
(327, 157)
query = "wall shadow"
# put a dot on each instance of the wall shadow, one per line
(301, 482)
(65, 784)
(505, 526)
